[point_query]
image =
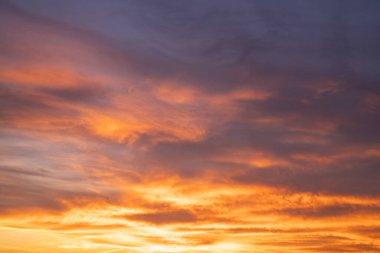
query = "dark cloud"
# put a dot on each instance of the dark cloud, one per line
(166, 217)
(20, 191)
(88, 95)
(371, 231)
(355, 177)
(337, 210)
(218, 45)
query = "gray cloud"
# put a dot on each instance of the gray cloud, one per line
(166, 217)
(353, 177)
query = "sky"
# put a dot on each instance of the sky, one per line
(202, 126)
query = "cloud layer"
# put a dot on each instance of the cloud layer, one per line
(192, 126)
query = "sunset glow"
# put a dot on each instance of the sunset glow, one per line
(214, 126)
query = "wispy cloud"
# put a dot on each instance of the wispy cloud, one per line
(163, 126)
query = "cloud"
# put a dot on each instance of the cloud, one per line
(32, 196)
(337, 210)
(168, 217)
(358, 178)
(161, 126)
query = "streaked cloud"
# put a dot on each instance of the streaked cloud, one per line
(163, 126)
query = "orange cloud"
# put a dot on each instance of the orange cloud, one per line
(102, 151)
